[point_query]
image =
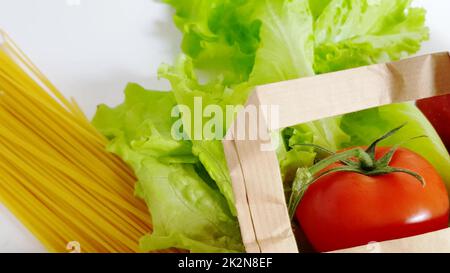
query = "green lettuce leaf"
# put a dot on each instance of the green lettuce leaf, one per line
(292, 160)
(212, 156)
(197, 98)
(219, 36)
(292, 155)
(188, 211)
(317, 7)
(264, 40)
(286, 50)
(325, 133)
(351, 33)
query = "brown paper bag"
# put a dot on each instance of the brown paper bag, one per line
(255, 173)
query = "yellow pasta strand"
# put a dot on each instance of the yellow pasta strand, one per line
(55, 175)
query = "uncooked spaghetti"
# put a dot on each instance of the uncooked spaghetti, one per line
(55, 174)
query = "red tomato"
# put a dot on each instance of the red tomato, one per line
(437, 110)
(344, 210)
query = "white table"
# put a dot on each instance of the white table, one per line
(91, 49)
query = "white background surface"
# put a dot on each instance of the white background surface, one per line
(90, 49)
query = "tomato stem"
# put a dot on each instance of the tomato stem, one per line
(356, 160)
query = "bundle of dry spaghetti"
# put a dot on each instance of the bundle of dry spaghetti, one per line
(55, 175)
